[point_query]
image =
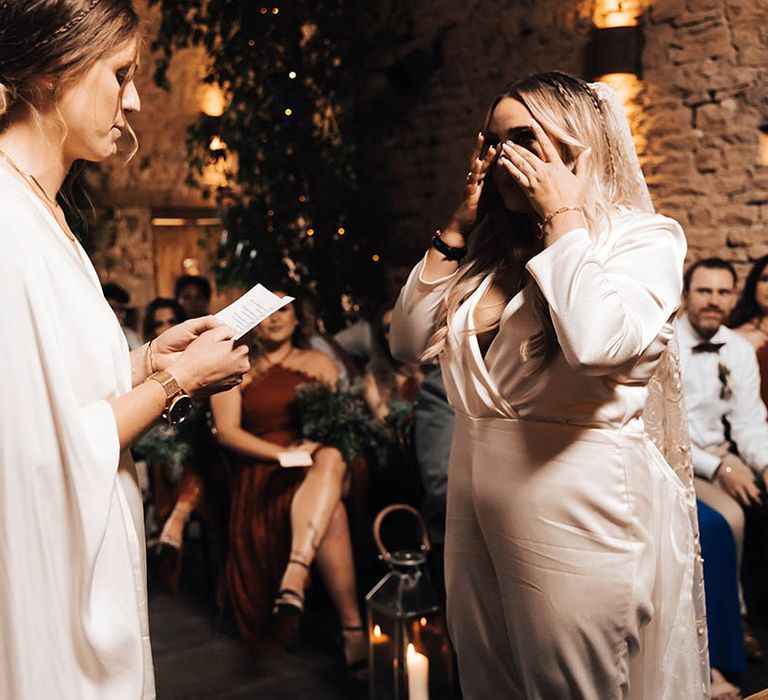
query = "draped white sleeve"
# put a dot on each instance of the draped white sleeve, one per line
(413, 321)
(72, 591)
(608, 303)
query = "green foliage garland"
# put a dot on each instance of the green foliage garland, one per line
(285, 139)
(162, 445)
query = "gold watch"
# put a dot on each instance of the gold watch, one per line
(178, 402)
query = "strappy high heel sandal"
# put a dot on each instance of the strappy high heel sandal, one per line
(357, 668)
(287, 611)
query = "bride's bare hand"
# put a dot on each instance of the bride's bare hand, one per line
(465, 217)
(548, 183)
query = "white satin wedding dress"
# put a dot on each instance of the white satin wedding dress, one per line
(571, 556)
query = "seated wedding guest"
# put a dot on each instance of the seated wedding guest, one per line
(724, 628)
(387, 380)
(178, 483)
(432, 436)
(389, 389)
(748, 319)
(358, 338)
(285, 519)
(721, 383)
(161, 314)
(317, 339)
(118, 298)
(193, 292)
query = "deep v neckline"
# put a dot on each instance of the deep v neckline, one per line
(477, 357)
(473, 302)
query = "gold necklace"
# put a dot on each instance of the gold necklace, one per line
(36, 187)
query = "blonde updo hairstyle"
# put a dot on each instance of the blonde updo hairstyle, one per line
(46, 45)
(569, 110)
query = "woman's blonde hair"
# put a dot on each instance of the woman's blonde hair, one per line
(54, 43)
(569, 110)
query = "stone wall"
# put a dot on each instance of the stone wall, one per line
(155, 178)
(696, 113)
(702, 97)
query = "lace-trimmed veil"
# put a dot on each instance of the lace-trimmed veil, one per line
(664, 415)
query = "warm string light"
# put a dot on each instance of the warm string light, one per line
(216, 144)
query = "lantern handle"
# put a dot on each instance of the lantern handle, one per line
(426, 545)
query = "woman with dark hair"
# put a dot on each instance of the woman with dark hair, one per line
(72, 581)
(570, 556)
(748, 317)
(285, 519)
(160, 315)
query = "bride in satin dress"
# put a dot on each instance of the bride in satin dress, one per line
(572, 565)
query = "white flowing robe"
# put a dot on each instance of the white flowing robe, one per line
(72, 566)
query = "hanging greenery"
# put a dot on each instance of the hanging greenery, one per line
(283, 148)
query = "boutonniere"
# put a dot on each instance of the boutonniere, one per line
(724, 375)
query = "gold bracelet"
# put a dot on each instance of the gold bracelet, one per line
(546, 220)
(151, 369)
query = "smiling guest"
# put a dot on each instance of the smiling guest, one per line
(285, 520)
(72, 580)
(721, 383)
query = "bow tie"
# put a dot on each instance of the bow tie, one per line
(707, 347)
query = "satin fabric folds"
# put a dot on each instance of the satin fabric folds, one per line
(571, 557)
(72, 570)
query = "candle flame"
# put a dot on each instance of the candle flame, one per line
(411, 651)
(423, 621)
(376, 632)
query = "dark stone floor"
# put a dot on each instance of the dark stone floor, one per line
(198, 658)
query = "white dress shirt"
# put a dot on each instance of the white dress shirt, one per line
(708, 400)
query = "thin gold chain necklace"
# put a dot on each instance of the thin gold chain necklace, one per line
(36, 187)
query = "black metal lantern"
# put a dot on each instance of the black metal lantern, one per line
(409, 651)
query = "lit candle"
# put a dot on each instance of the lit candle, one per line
(378, 636)
(418, 674)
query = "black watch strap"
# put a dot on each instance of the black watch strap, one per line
(448, 251)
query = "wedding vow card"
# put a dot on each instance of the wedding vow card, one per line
(294, 458)
(251, 309)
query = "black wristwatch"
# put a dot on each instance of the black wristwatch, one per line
(178, 402)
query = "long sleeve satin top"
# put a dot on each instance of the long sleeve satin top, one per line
(611, 299)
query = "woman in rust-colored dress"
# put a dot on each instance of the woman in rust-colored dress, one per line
(285, 519)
